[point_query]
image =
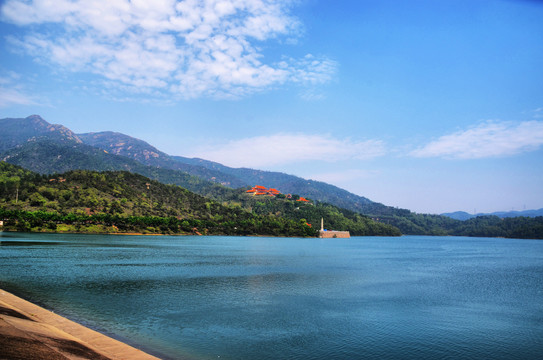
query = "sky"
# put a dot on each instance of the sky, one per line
(433, 106)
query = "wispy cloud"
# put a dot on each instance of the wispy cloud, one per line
(538, 113)
(345, 176)
(188, 48)
(10, 97)
(490, 139)
(11, 93)
(279, 149)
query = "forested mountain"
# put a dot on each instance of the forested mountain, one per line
(320, 192)
(88, 201)
(48, 156)
(459, 215)
(493, 226)
(97, 197)
(19, 131)
(49, 149)
(144, 153)
(120, 201)
(317, 190)
(335, 218)
(140, 151)
(39, 146)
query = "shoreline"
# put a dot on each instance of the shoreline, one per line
(155, 234)
(28, 331)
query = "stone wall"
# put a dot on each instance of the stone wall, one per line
(334, 234)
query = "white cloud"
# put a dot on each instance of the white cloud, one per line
(538, 113)
(10, 97)
(278, 149)
(11, 93)
(345, 176)
(189, 48)
(490, 139)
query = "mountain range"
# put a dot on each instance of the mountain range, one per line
(462, 215)
(39, 146)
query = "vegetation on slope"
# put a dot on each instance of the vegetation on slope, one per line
(123, 202)
(46, 156)
(103, 197)
(335, 218)
(493, 226)
(351, 205)
(144, 153)
(317, 190)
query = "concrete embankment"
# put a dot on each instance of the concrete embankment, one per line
(28, 331)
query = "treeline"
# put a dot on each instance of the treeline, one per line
(493, 226)
(481, 226)
(125, 194)
(42, 221)
(88, 201)
(120, 201)
(334, 218)
(411, 223)
(89, 192)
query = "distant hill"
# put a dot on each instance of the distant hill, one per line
(510, 214)
(139, 150)
(49, 157)
(18, 131)
(316, 190)
(461, 215)
(121, 144)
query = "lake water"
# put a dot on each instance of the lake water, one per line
(287, 298)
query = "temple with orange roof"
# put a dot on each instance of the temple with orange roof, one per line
(259, 190)
(262, 190)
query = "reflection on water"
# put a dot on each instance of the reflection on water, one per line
(270, 298)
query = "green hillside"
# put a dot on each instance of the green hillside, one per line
(317, 190)
(49, 157)
(130, 202)
(88, 201)
(335, 218)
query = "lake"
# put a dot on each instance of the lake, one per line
(190, 297)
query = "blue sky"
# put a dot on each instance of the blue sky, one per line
(428, 105)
